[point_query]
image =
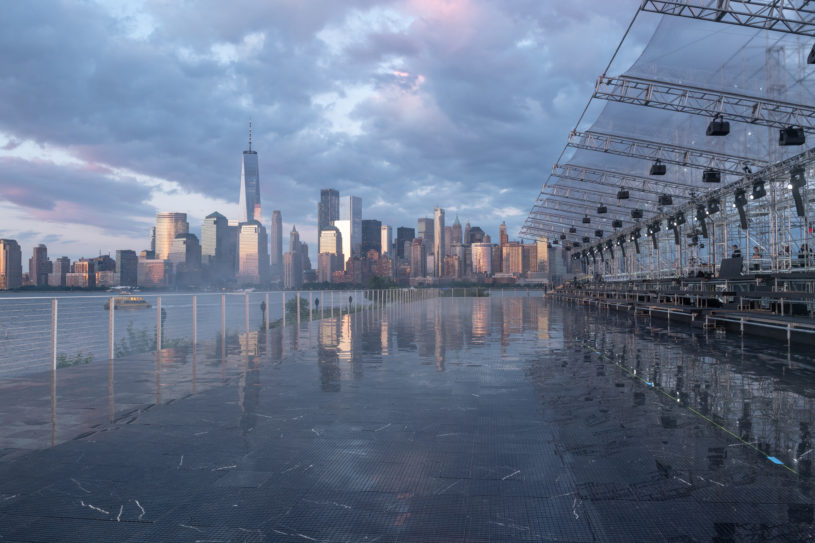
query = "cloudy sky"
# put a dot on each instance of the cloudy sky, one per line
(110, 113)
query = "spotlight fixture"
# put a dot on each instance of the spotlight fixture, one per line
(680, 218)
(701, 215)
(622, 194)
(563, 236)
(797, 182)
(666, 200)
(759, 190)
(811, 57)
(654, 227)
(636, 213)
(718, 126)
(791, 135)
(602, 209)
(576, 244)
(711, 176)
(713, 206)
(586, 239)
(572, 230)
(610, 247)
(740, 203)
(598, 233)
(658, 168)
(621, 245)
(635, 236)
(586, 220)
(616, 223)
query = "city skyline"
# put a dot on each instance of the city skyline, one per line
(388, 101)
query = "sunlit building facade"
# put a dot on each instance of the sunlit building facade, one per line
(168, 226)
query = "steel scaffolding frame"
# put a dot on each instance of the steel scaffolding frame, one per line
(790, 16)
(651, 150)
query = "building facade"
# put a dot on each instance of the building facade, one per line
(11, 264)
(168, 226)
(439, 246)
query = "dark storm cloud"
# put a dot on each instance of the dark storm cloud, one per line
(468, 96)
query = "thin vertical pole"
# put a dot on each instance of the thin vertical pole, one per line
(111, 403)
(54, 307)
(110, 327)
(158, 324)
(298, 306)
(283, 296)
(223, 335)
(194, 322)
(310, 317)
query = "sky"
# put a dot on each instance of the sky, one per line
(112, 111)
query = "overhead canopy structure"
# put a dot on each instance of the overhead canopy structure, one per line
(721, 97)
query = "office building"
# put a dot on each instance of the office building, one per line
(371, 236)
(448, 239)
(328, 210)
(292, 270)
(83, 274)
(502, 233)
(351, 210)
(127, 268)
(482, 258)
(61, 268)
(39, 266)
(277, 246)
(253, 254)
(457, 233)
(11, 264)
(465, 239)
(404, 235)
(213, 242)
(386, 240)
(424, 229)
(250, 185)
(186, 259)
(512, 258)
(153, 240)
(168, 226)
(418, 258)
(153, 272)
(530, 258)
(438, 246)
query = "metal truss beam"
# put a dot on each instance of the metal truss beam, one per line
(611, 203)
(598, 195)
(568, 217)
(619, 180)
(666, 152)
(704, 102)
(791, 16)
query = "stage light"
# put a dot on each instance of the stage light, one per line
(711, 176)
(797, 182)
(718, 126)
(616, 223)
(622, 194)
(791, 135)
(573, 230)
(759, 190)
(563, 236)
(666, 200)
(602, 209)
(598, 233)
(586, 220)
(680, 218)
(713, 206)
(740, 203)
(701, 215)
(658, 168)
(636, 213)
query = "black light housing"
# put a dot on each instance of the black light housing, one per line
(586, 239)
(811, 57)
(701, 215)
(586, 220)
(740, 203)
(797, 182)
(616, 223)
(602, 209)
(666, 200)
(718, 126)
(713, 206)
(654, 227)
(759, 190)
(598, 233)
(610, 247)
(621, 245)
(636, 213)
(658, 168)
(791, 135)
(622, 194)
(711, 176)
(563, 236)
(572, 230)
(576, 244)
(679, 218)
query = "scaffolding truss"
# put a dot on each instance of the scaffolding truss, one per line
(791, 16)
(665, 152)
(708, 103)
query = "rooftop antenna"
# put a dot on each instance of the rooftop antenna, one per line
(250, 135)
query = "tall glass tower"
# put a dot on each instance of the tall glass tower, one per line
(250, 184)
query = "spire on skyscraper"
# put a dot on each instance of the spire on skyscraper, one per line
(250, 135)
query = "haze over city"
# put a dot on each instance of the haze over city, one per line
(111, 114)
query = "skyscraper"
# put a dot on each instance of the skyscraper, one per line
(403, 234)
(328, 210)
(457, 233)
(330, 257)
(502, 232)
(11, 264)
(294, 240)
(186, 255)
(418, 262)
(482, 258)
(250, 184)
(351, 210)
(39, 266)
(215, 254)
(371, 236)
(61, 267)
(253, 256)
(424, 229)
(438, 246)
(386, 240)
(127, 267)
(168, 226)
(277, 245)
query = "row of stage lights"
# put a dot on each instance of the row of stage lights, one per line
(703, 211)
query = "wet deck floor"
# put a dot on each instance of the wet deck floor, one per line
(504, 419)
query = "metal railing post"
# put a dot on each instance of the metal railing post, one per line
(283, 296)
(111, 352)
(158, 324)
(194, 322)
(54, 310)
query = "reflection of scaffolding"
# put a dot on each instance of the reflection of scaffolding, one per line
(676, 225)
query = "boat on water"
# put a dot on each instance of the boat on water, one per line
(128, 302)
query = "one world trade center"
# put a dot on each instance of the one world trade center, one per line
(250, 184)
